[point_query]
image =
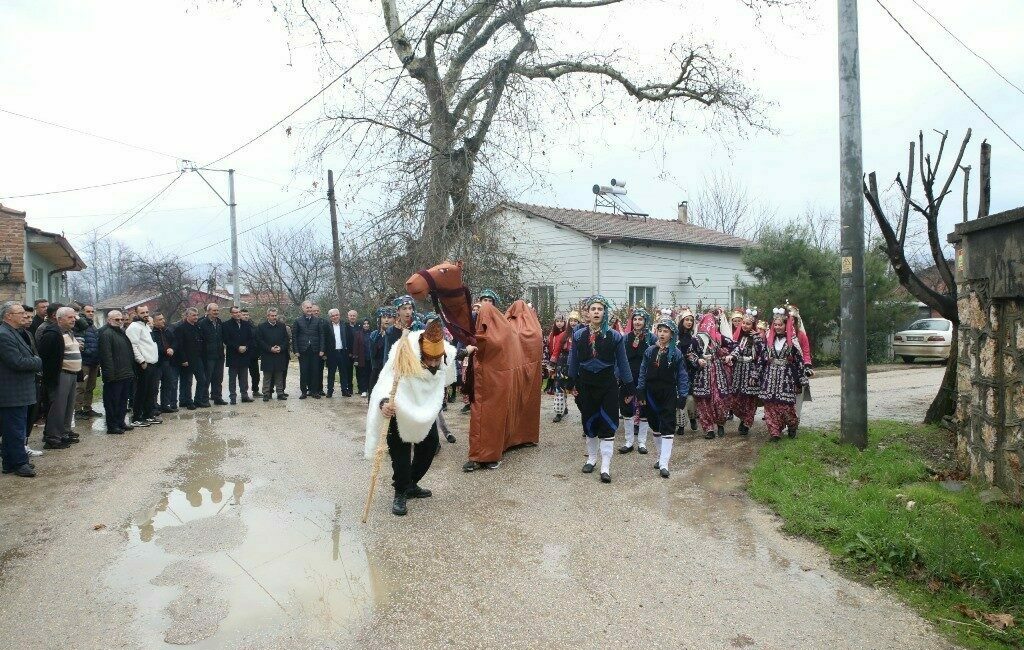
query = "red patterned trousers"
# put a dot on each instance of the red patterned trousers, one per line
(745, 408)
(711, 411)
(778, 416)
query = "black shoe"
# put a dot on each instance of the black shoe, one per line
(330, 394)
(469, 466)
(398, 506)
(282, 397)
(166, 409)
(664, 473)
(219, 402)
(558, 418)
(72, 435)
(266, 398)
(26, 471)
(721, 431)
(680, 430)
(710, 435)
(83, 414)
(128, 427)
(190, 407)
(94, 413)
(204, 405)
(115, 432)
(606, 477)
(450, 438)
(588, 468)
(71, 441)
(416, 492)
(316, 395)
(246, 399)
(346, 394)
(693, 424)
(625, 449)
(232, 401)
(55, 445)
(641, 449)
(791, 432)
(744, 429)
(657, 465)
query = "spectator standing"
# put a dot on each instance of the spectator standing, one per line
(351, 328)
(18, 368)
(86, 330)
(361, 357)
(191, 361)
(325, 324)
(41, 306)
(213, 341)
(33, 409)
(117, 366)
(62, 362)
(308, 343)
(254, 358)
(167, 368)
(272, 341)
(146, 355)
(339, 353)
(240, 342)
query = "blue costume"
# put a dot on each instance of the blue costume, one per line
(663, 382)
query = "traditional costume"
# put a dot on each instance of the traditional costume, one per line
(687, 409)
(403, 306)
(635, 423)
(662, 384)
(558, 360)
(710, 378)
(377, 352)
(782, 377)
(597, 364)
(412, 432)
(746, 371)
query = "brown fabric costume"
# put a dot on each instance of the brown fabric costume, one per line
(505, 411)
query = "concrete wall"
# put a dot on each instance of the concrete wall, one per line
(990, 371)
(578, 267)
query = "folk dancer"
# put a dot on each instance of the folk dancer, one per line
(687, 409)
(782, 377)
(709, 356)
(412, 419)
(746, 379)
(664, 382)
(805, 348)
(385, 319)
(404, 320)
(597, 364)
(442, 424)
(558, 346)
(635, 418)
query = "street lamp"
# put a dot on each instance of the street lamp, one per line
(5, 269)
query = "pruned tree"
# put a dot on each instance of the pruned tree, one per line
(167, 277)
(290, 263)
(725, 203)
(894, 234)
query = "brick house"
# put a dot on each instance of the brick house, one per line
(33, 263)
(172, 306)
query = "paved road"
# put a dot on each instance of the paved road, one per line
(902, 394)
(239, 528)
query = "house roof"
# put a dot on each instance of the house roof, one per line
(135, 298)
(54, 248)
(616, 227)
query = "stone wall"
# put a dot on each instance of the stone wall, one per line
(12, 246)
(990, 375)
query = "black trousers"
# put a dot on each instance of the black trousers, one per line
(598, 402)
(363, 378)
(254, 373)
(338, 362)
(215, 379)
(146, 381)
(311, 379)
(408, 461)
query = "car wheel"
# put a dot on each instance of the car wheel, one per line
(907, 359)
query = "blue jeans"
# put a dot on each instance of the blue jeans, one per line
(115, 402)
(12, 432)
(168, 385)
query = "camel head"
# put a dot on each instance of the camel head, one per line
(446, 276)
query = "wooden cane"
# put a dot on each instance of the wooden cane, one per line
(378, 456)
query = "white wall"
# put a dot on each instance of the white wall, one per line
(577, 267)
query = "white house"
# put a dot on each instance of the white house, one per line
(631, 260)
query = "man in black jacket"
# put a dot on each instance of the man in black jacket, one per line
(62, 363)
(308, 343)
(167, 398)
(272, 341)
(213, 338)
(240, 342)
(339, 353)
(117, 364)
(254, 359)
(41, 306)
(189, 357)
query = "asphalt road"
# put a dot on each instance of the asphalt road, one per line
(238, 527)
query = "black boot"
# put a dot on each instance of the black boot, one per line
(693, 424)
(398, 506)
(744, 429)
(558, 418)
(721, 430)
(791, 432)
(680, 430)
(710, 435)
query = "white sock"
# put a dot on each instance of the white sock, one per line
(666, 451)
(641, 436)
(593, 446)
(607, 446)
(657, 443)
(628, 426)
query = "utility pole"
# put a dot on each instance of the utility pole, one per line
(854, 400)
(236, 291)
(334, 235)
(985, 199)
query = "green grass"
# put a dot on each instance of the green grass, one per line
(949, 550)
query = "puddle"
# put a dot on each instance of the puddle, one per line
(719, 478)
(217, 560)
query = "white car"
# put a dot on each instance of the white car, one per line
(927, 338)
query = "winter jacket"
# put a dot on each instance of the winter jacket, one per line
(117, 358)
(268, 336)
(190, 347)
(18, 368)
(213, 338)
(85, 329)
(50, 343)
(238, 333)
(165, 338)
(144, 348)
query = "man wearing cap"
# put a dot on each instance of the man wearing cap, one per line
(412, 418)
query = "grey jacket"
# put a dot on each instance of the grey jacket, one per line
(18, 368)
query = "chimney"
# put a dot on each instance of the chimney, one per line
(684, 212)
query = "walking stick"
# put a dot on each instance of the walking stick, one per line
(378, 456)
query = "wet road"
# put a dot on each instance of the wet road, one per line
(238, 527)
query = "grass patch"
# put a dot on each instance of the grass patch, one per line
(950, 556)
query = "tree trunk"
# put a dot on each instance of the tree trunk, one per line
(945, 400)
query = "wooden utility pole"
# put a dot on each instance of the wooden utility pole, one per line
(967, 180)
(986, 179)
(334, 236)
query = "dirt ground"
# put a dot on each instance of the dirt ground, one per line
(238, 527)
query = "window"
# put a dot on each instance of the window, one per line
(55, 293)
(738, 298)
(543, 300)
(642, 296)
(37, 283)
(932, 324)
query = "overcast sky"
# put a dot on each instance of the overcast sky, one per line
(194, 80)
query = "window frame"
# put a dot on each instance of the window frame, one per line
(632, 291)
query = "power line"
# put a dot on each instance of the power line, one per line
(948, 76)
(319, 92)
(966, 47)
(88, 187)
(115, 214)
(91, 135)
(148, 203)
(259, 225)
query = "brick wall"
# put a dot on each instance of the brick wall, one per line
(12, 246)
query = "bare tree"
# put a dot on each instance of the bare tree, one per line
(290, 263)
(172, 280)
(724, 203)
(895, 238)
(108, 271)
